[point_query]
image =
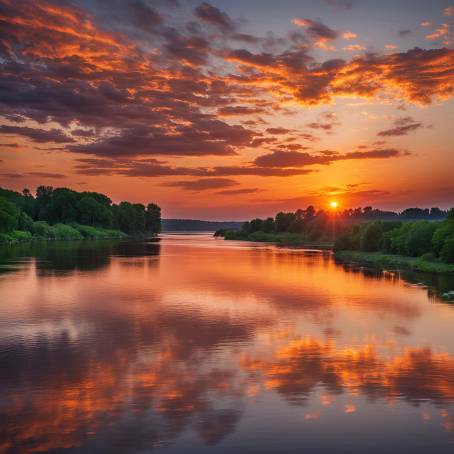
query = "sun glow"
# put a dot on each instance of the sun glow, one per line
(333, 204)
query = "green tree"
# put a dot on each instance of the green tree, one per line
(9, 215)
(153, 218)
(88, 208)
(371, 235)
(419, 238)
(447, 252)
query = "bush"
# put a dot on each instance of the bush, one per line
(65, 231)
(42, 229)
(21, 235)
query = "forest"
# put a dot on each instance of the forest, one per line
(63, 213)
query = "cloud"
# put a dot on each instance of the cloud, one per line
(349, 35)
(327, 122)
(283, 159)
(442, 33)
(205, 136)
(401, 127)
(404, 32)
(203, 184)
(354, 48)
(238, 191)
(35, 174)
(214, 16)
(155, 168)
(231, 111)
(449, 11)
(145, 16)
(37, 135)
(107, 92)
(320, 33)
(46, 175)
(278, 130)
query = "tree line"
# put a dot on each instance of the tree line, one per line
(429, 240)
(412, 232)
(322, 225)
(65, 213)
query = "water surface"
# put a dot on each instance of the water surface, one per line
(193, 344)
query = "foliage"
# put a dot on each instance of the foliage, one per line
(61, 213)
(447, 252)
(428, 239)
(9, 215)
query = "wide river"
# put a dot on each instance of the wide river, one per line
(193, 344)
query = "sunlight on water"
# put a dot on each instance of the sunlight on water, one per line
(192, 342)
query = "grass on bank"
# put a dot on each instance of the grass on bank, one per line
(426, 263)
(41, 230)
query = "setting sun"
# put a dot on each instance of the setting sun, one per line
(333, 204)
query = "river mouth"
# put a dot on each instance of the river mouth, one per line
(192, 343)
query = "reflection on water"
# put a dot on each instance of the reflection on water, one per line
(193, 342)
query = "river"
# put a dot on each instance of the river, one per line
(194, 344)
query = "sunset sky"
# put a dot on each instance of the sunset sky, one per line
(230, 109)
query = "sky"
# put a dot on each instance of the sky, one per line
(230, 109)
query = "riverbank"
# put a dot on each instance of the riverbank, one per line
(46, 232)
(284, 239)
(395, 261)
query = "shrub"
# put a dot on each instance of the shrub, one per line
(21, 235)
(65, 231)
(42, 229)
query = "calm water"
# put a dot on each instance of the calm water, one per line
(194, 344)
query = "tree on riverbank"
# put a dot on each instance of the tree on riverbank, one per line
(63, 213)
(431, 240)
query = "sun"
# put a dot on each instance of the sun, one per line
(333, 204)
